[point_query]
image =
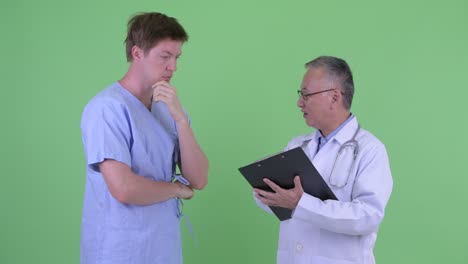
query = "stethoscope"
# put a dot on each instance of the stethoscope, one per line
(352, 143)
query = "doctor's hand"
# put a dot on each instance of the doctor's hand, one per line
(164, 92)
(183, 191)
(280, 197)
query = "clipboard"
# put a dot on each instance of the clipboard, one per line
(281, 168)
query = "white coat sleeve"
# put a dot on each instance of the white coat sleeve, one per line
(364, 213)
(266, 208)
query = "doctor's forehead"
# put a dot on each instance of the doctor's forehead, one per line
(307, 81)
(314, 78)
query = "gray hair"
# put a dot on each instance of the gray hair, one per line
(337, 69)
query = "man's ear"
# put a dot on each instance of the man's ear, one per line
(336, 95)
(336, 98)
(137, 53)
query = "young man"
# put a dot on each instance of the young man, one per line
(351, 160)
(134, 134)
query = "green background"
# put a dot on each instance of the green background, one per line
(237, 79)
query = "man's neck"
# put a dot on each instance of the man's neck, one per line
(135, 86)
(335, 122)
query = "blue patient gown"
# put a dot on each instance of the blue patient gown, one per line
(116, 125)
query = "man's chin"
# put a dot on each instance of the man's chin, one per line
(309, 123)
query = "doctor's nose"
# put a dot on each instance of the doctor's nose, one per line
(300, 102)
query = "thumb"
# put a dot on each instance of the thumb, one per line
(297, 182)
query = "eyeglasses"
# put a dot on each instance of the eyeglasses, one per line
(305, 96)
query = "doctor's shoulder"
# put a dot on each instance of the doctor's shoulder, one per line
(299, 141)
(368, 142)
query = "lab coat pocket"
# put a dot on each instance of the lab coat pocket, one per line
(340, 246)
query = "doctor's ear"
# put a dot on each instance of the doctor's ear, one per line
(335, 96)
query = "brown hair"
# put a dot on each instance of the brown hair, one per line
(145, 30)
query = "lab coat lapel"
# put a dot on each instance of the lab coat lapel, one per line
(324, 159)
(309, 145)
(347, 132)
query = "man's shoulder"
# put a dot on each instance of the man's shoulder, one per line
(369, 142)
(108, 103)
(112, 93)
(109, 97)
(363, 137)
(299, 140)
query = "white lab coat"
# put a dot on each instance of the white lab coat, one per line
(343, 231)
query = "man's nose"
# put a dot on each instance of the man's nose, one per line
(172, 65)
(300, 102)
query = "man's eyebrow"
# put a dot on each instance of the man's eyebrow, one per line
(170, 53)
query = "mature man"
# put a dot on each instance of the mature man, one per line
(351, 160)
(135, 132)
